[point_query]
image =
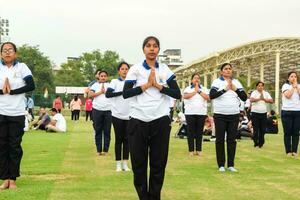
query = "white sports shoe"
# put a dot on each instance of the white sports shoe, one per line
(119, 167)
(125, 166)
(221, 169)
(232, 169)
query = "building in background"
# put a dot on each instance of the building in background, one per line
(171, 57)
(4, 30)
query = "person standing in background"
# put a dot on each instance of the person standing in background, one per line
(57, 104)
(290, 114)
(88, 108)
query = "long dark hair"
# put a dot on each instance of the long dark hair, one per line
(289, 74)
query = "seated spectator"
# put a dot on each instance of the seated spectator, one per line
(182, 131)
(58, 122)
(42, 121)
(245, 127)
(272, 123)
(209, 129)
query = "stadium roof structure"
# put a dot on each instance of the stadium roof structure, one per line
(267, 60)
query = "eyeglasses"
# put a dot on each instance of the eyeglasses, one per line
(8, 50)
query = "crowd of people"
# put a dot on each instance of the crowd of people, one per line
(140, 104)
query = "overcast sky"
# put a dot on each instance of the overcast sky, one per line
(65, 28)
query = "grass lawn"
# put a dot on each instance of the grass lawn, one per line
(65, 167)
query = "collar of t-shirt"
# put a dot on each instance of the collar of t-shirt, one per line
(120, 79)
(14, 63)
(146, 66)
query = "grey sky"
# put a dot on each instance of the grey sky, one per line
(65, 28)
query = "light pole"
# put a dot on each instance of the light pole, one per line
(4, 30)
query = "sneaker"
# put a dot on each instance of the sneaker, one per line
(125, 166)
(221, 169)
(232, 169)
(119, 167)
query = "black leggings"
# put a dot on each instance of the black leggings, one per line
(195, 124)
(121, 138)
(291, 127)
(11, 133)
(259, 122)
(226, 124)
(75, 115)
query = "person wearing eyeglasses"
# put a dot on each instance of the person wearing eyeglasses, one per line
(15, 80)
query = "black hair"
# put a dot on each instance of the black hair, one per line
(97, 71)
(57, 96)
(195, 74)
(223, 65)
(53, 110)
(151, 38)
(259, 83)
(103, 71)
(290, 73)
(272, 112)
(75, 98)
(123, 63)
(12, 44)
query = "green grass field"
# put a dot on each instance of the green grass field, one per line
(66, 167)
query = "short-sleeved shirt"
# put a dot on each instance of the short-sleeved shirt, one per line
(293, 103)
(229, 102)
(151, 104)
(119, 105)
(259, 106)
(196, 105)
(60, 122)
(100, 102)
(13, 105)
(88, 105)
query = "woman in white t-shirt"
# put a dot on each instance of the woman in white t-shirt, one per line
(226, 93)
(290, 113)
(120, 117)
(259, 99)
(101, 113)
(195, 103)
(148, 87)
(15, 80)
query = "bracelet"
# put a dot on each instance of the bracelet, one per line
(199, 92)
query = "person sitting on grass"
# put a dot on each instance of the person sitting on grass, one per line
(42, 121)
(58, 122)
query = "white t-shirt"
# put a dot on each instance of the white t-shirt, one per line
(196, 105)
(151, 104)
(259, 106)
(293, 103)
(119, 105)
(60, 122)
(101, 102)
(229, 102)
(13, 105)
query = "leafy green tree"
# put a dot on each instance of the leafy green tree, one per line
(96, 60)
(70, 74)
(39, 65)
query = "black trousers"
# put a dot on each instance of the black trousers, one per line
(259, 123)
(291, 128)
(226, 124)
(149, 139)
(11, 133)
(121, 138)
(195, 125)
(75, 115)
(87, 115)
(102, 126)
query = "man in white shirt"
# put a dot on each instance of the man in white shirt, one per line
(58, 122)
